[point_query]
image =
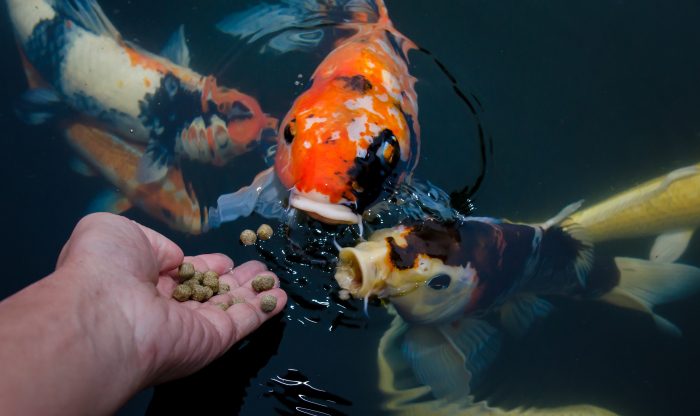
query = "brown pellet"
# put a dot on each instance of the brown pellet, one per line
(199, 293)
(248, 237)
(263, 282)
(186, 271)
(222, 306)
(198, 276)
(268, 303)
(208, 293)
(182, 292)
(211, 281)
(264, 232)
(191, 283)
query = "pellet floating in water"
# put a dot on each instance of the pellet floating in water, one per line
(264, 232)
(182, 292)
(186, 271)
(344, 294)
(263, 282)
(268, 303)
(223, 288)
(248, 237)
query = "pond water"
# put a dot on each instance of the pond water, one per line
(579, 100)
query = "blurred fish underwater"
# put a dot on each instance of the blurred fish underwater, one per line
(582, 100)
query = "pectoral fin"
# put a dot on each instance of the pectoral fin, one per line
(670, 246)
(39, 106)
(110, 201)
(645, 284)
(436, 363)
(264, 196)
(518, 315)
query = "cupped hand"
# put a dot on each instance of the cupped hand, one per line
(129, 271)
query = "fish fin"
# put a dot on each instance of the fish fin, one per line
(39, 106)
(563, 214)
(81, 168)
(176, 48)
(296, 24)
(668, 247)
(88, 14)
(518, 315)
(645, 284)
(109, 201)
(436, 363)
(151, 169)
(478, 341)
(584, 251)
(263, 196)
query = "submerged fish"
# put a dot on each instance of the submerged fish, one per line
(78, 63)
(454, 283)
(356, 126)
(167, 200)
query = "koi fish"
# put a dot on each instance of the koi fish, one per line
(78, 63)
(355, 129)
(666, 206)
(449, 281)
(167, 200)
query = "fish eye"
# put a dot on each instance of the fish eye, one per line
(289, 131)
(440, 281)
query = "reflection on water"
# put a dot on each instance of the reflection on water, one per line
(582, 101)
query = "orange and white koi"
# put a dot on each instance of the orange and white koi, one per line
(355, 130)
(167, 200)
(78, 61)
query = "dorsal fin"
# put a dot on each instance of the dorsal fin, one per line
(87, 14)
(176, 48)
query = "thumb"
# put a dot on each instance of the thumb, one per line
(168, 254)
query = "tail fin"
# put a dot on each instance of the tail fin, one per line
(298, 24)
(645, 284)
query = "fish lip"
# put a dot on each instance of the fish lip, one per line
(361, 270)
(323, 211)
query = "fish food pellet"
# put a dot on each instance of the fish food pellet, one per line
(199, 293)
(211, 274)
(264, 232)
(224, 288)
(191, 283)
(198, 276)
(263, 282)
(222, 306)
(248, 237)
(182, 292)
(211, 282)
(268, 303)
(186, 271)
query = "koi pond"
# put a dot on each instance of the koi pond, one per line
(519, 109)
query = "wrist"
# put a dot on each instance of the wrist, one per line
(63, 345)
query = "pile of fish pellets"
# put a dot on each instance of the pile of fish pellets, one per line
(201, 286)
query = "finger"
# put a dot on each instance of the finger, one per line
(246, 272)
(220, 263)
(248, 316)
(167, 253)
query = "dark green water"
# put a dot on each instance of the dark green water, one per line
(582, 100)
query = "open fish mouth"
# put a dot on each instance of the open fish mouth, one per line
(362, 270)
(324, 211)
